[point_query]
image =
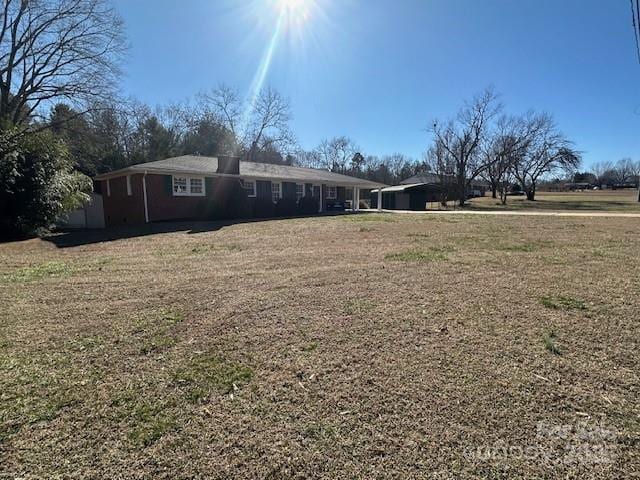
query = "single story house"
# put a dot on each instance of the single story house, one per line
(190, 187)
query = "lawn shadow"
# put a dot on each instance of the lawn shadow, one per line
(76, 238)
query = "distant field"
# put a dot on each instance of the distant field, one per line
(596, 200)
(360, 346)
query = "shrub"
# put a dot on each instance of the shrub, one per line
(264, 208)
(308, 205)
(286, 207)
(229, 201)
(37, 182)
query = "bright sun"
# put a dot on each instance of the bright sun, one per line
(297, 10)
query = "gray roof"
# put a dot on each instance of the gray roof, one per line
(429, 177)
(208, 166)
(426, 177)
(429, 187)
(397, 188)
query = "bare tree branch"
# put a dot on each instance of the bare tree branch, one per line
(57, 50)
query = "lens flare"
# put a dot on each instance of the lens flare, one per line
(291, 24)
(296, 9)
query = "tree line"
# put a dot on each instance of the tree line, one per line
(624, 172)
(217, 122)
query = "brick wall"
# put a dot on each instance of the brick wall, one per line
(123, 209)
(120, 208)
(164, 206)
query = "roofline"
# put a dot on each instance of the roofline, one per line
(404, 186)
(140, 168)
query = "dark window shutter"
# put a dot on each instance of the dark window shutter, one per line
(263, 189)
(168, 184)
(208, 186)
(288, 190)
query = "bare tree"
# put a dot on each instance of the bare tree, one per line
(602, 171)
(547, 151)
(461, 138)
(495, 149)
(308, 158)
(498, 155)
(56, 50)
(508, 141)
(261, 126)
(624, 171)
(269, 124)
(441, 163)
(336, 154)
(225, 105)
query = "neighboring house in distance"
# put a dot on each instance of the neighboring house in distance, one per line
(414, 193)
(183, 188)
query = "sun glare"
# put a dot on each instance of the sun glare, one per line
(295, 10)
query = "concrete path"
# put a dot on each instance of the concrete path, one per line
(565, 213)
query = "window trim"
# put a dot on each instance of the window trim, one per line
(188, 192)
(279, 191)
(196, 194)
(304, 188)
(255, 187)
(335, 192)
(129, 190)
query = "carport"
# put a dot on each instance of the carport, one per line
(406, 197)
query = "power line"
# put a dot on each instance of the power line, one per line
(635, 12)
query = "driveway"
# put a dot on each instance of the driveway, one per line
(566, 213)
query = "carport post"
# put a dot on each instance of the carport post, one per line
(354, 200)
(380, 199)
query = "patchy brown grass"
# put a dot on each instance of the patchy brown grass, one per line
(335, 347)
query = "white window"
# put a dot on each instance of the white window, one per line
(299, 190)
(276, 191)
(332, 192)
(188, 186)
(180, 186)
(129, 192)
(196, 186)
(108, 188)
(249, 187)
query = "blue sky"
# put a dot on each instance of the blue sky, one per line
(379, 71)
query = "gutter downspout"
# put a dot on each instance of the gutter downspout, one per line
(144, 196)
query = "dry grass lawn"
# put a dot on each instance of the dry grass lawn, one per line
(366, 346)
(592, 200)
